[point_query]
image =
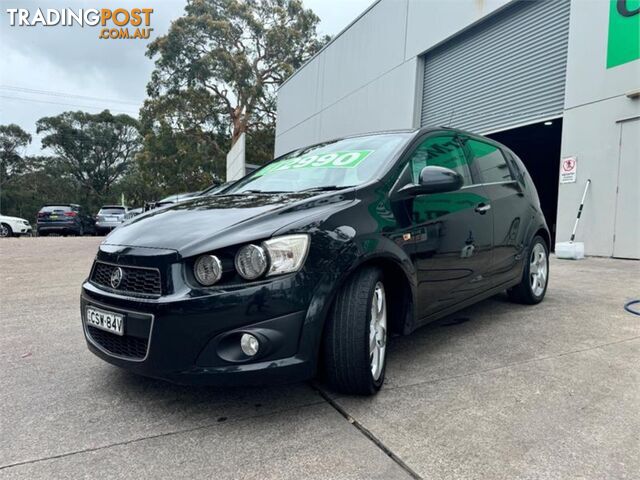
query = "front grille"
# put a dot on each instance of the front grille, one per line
(123, 346)
(138, 281)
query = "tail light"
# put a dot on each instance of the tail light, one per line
(40, 214)
(69, 214)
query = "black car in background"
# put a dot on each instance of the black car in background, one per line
(311, 262)
(64, 219)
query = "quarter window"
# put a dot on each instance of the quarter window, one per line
(490, 161)
(441, 152)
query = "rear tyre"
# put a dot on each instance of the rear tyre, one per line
(535, 277)
(5, 230)
(355, 337)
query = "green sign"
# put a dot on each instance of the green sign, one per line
(345, 159)
(624, 32)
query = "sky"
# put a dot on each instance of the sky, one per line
(45, 71)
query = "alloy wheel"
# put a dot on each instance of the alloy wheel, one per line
(538, 269)
(4, 231)
(378, 331)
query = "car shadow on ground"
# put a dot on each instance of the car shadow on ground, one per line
(431, 338)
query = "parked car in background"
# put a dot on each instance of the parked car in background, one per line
(14, 226)
(110, 217)
(171, 199)
(313, 261)
(133, 212)
(64, 219)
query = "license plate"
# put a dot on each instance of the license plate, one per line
(108, 321)
(53, 217)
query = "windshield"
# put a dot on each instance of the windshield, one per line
(213, 189)
(339, 164)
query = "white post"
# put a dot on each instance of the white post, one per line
(236, 162)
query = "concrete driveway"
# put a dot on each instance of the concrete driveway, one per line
(498, 391)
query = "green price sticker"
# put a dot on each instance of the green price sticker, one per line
(345, 159)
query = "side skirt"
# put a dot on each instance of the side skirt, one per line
(470, 301)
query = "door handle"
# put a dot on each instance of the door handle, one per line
(483, 208)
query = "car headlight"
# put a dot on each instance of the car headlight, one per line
(207, 269)
(286, 253)
(251, 261)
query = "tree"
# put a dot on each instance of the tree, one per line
(182, 143)
(13, 139)
(37, 185)
(234, 54)
(95, 149)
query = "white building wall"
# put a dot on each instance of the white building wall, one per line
(595, 102)
(367, 78)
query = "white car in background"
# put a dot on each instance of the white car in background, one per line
(110, 217)
(14, 226)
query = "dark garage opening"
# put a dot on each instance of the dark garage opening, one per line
(538, 146)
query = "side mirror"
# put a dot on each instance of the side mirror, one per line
(432, 180)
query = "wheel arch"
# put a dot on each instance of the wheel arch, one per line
(399, 288)
(544, 233)
(10, 230)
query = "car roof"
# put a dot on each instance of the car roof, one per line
(113, 206)
(415, 131)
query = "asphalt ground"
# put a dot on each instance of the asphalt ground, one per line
(497, 391)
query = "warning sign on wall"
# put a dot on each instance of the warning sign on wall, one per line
(568, 170)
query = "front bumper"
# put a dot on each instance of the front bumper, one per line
(191, 340)
(22, 229)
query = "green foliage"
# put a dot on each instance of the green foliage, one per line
(13, 140)
(182, 139)
(260, 145)
(232, 55)
(95, 149)
(215, 78)
(39, 183)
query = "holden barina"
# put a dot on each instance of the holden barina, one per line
(309, 264)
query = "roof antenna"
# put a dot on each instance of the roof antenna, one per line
(451, 117)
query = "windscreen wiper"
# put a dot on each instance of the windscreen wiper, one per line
(258, 191)
(326, 188)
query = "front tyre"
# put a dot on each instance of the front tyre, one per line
(535, 277)
(355, 339)
(5, 230)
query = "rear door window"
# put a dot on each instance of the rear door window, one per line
(489, 161)
(440, 151)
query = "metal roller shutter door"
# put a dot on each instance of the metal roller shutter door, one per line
(508, 70)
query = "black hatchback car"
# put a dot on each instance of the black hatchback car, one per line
(64, 219)
(311, 262)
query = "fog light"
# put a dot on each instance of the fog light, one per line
(249, 344)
